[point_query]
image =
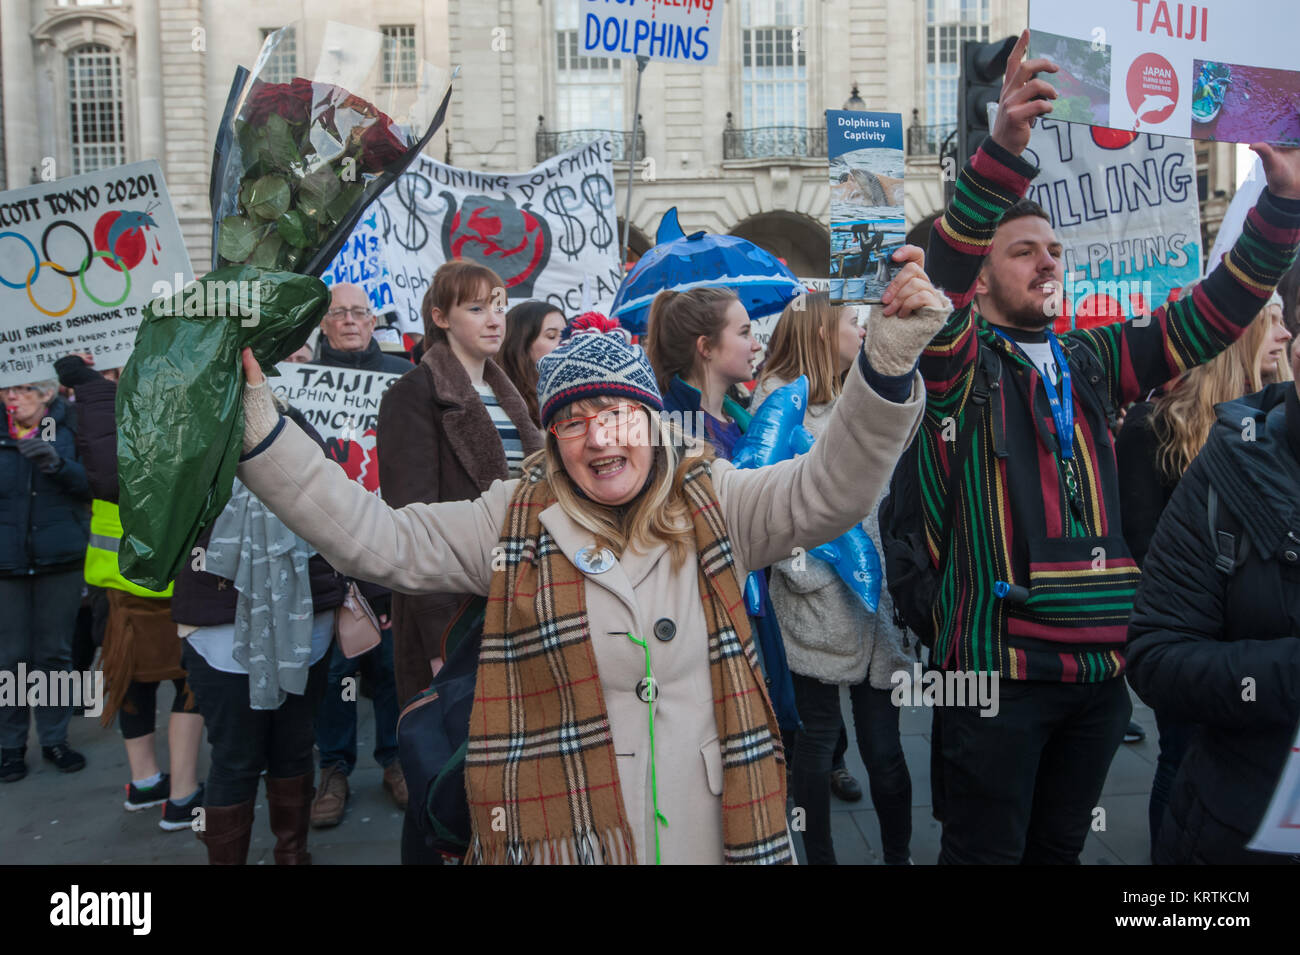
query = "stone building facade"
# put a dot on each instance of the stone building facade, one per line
(738, 147)
(96, 83)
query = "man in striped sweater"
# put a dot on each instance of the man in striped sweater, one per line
(1037, 583)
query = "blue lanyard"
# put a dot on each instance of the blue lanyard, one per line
(1062, 407)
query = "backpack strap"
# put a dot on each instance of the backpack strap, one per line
(988, 379)
(1089, 365)
(1227, 558)
(984, 389)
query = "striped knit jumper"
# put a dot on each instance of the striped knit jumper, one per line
(1013, 521)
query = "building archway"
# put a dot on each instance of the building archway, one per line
(919, 234)
(803, 243)
(638, 243)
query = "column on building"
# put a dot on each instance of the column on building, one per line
(187, 158)
(17, 92)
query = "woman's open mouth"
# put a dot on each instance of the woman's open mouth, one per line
(608, 467)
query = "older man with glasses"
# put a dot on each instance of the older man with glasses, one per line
(348, 329)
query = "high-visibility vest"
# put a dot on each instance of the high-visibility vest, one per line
(101, 553)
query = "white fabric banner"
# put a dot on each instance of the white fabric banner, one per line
(1125, 209)
(551, 233)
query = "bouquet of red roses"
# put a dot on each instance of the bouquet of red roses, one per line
(294, 167)
(298, 162)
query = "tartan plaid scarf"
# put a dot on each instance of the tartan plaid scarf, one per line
(540, 771)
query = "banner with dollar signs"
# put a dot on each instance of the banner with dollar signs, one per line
(550, 233)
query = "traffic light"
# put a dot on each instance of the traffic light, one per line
(982, 66)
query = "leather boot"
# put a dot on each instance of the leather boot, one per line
(226, 832)
(289, 806)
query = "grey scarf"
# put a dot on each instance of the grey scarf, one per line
(274, 613)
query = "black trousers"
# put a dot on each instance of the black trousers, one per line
(136, 717)
(1021, 786)
(246, 741)
(875, 722)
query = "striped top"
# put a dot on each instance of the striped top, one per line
(510, 440)
(1015, 520)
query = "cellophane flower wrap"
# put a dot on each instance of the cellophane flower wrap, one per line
(294, 167)
(303, 158)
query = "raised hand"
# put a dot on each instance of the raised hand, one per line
(911, 288)
(252, 370)
(75, 368)
(1281, 169)
(897, 335)
(1017, 106)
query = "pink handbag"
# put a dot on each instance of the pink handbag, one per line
(355, 624)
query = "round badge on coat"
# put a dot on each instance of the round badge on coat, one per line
(594, 560)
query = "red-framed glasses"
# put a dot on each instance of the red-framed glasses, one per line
(617, 417)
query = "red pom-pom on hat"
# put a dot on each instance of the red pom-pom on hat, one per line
(594, 322)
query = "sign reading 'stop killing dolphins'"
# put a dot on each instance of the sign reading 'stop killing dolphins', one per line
(682, 31)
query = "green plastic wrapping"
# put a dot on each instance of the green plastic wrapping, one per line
(180, 407)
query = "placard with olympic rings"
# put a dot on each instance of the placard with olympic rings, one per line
(79, 259)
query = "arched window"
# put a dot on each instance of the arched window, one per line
(96, 130)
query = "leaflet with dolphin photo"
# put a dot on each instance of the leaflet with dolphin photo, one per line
(866, 179)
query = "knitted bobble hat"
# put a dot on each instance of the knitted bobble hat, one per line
(591, 365)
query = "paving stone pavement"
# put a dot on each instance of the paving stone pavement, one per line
(53, 818)
(1125, 841)
(77, 818)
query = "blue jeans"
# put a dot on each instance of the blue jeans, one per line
(336, 719)
(38, 615)
(875, 722)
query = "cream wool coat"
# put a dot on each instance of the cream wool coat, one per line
(448, 547)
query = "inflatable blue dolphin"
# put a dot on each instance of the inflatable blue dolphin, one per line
(776, 433)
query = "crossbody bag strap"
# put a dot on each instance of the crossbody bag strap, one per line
(988, 373)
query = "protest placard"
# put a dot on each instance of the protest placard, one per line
(1125, 208)
(688, 31)
(1279, 830)
(79, 259)
(865, 153)
(343, 405)
(1201, 70)
(548, 233)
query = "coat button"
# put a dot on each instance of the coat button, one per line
(665, 629)
(1291, 556)
(647, 691)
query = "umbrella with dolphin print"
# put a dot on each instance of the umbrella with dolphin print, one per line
(680, 262)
